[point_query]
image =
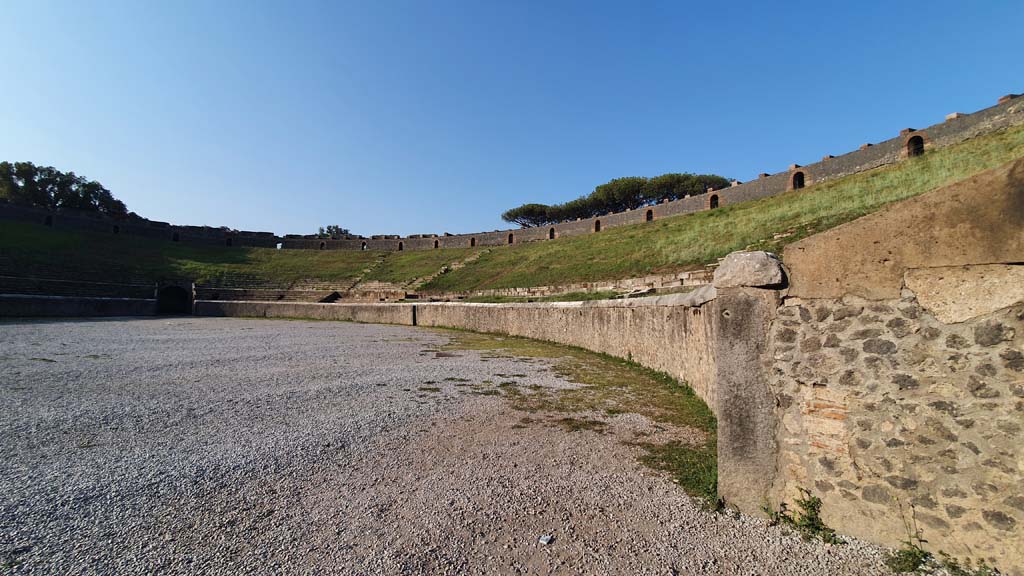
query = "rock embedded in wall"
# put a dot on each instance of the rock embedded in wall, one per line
(754, 269)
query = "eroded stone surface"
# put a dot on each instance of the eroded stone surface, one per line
(959, 293)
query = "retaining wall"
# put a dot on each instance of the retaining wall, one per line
(897, 368)
(15, 305)
(654, 332)
(663, 333)
(369, 313)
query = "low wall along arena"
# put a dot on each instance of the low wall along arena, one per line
(889, 383)
(886, 376)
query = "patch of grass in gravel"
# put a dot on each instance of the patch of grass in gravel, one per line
(571, 424)
(613, 386)
(690, 467)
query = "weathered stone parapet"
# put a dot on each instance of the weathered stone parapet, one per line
(744, 405)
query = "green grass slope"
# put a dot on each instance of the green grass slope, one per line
(693, 240)
(666, 245)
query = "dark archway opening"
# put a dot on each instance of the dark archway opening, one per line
(173, 300)
(551, 234)
(798, 180)
(915, 146)
(175, 237)
(323, 245)
(649, 216)
(511, 238)
(48, 221)
(472, 242)
(436, 244)
(597, 225)
(713, 201)
(228, 242)
(401, 246)
(363, 246)
(117, 229)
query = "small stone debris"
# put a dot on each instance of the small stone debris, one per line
(546, 539)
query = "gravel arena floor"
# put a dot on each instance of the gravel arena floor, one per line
(229, 446)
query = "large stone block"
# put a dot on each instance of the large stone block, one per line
(754, 269)
(959, 293)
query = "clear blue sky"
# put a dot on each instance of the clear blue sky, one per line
(434, 116)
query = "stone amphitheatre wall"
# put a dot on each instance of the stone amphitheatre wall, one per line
(887, 378)
(21, 305)
(897, 365)
(661, 332)
(957, 128)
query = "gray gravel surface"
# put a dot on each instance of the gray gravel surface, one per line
(227, 446)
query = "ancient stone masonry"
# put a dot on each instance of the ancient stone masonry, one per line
(897, 367)
(909, 143)
(885, 411)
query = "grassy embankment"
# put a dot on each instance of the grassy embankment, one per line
(690, 241)
(667, 245)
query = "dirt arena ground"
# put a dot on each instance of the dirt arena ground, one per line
(228, 446)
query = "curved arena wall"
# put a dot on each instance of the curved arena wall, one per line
(957, 128)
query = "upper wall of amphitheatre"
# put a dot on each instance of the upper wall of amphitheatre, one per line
(957, 127)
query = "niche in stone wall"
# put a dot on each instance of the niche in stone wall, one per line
(649, 216)
(915, 146)
(175, 237)
(551, 234)
(117, 229)
(436, 244)
(472, 242)
(797, 181)
(713, 201)
(597, 225)
(363, 246)
(511, 238)
(229, 242)
(401, 246)
(323, 245)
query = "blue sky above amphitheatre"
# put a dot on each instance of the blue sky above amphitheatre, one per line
(418, 117)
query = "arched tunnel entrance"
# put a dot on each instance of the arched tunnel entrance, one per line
(173, 300)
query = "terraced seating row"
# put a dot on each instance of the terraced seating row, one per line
(69, 271)
(53, 287)
(262, 295)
